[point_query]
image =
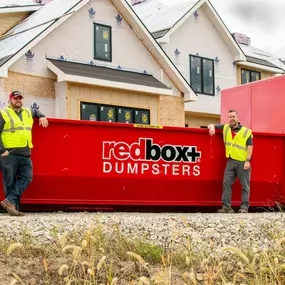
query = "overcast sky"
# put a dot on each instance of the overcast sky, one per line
(262, 20)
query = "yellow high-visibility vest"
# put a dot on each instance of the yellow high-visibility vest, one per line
(17, 133)
(236, 147)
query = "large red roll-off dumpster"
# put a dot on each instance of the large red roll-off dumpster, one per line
(96, 164)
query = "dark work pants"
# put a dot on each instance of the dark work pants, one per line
(234, 168)
(17, 175)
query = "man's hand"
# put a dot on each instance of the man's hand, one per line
(211, 130)
(43, 122)
(5, 153)
(246, 165)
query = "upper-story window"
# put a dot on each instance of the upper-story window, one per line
(249, 76)
(102, 42)
(202, 75)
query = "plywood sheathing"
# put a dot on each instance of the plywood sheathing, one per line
(30, 85)
(172, 111)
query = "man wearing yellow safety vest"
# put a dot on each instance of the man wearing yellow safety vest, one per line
(239, 147)
(15, 148)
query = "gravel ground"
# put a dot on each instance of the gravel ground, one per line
(209, 232)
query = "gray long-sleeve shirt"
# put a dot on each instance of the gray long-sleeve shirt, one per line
(26, 151)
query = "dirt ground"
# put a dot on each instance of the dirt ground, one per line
(34, 271)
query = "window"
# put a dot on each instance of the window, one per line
(110, 113)
(202, 75)
(249, 76)
(102, 42)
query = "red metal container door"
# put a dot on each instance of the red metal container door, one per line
(239, 99)
(268, 106)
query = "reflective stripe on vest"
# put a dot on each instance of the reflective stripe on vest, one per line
(13, 129)
(236, 147)
(16, 132)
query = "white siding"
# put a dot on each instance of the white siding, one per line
(200, 36)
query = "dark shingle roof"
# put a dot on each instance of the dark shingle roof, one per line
(159, 34)
(4, 59)
(105, 73)
(261, 62)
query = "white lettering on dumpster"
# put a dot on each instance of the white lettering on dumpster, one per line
(148, 158)
(155, 169)
(146, 150)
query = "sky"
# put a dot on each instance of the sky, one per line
(261, 20)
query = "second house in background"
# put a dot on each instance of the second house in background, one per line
(210, 58)
(258, 65)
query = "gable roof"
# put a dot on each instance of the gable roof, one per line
(40, 23)
(157, 16)
(27, 34)
(163, 20)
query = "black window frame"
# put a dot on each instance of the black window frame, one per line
(116, 107)
(110, 40)
(202, 69)
(250, 75)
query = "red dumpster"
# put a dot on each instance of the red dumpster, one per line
(260, 104)
(80, 163)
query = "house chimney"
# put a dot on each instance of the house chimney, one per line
(134, 2)
(242, 39)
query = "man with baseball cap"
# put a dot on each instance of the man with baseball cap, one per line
(16, 124)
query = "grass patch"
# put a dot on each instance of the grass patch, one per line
(97, 258)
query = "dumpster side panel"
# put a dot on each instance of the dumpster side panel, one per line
(107, 163)
(268, 103)
(81, 163)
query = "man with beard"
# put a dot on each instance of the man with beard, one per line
(239, 148)
(15, 148)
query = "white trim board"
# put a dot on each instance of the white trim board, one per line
(19, 9)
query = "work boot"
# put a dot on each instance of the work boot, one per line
(10, 208)
(225, 210)
(243, 210)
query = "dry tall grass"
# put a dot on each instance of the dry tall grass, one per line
(94, 259)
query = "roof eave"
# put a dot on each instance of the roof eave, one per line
(261, 67)
(20, 9)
